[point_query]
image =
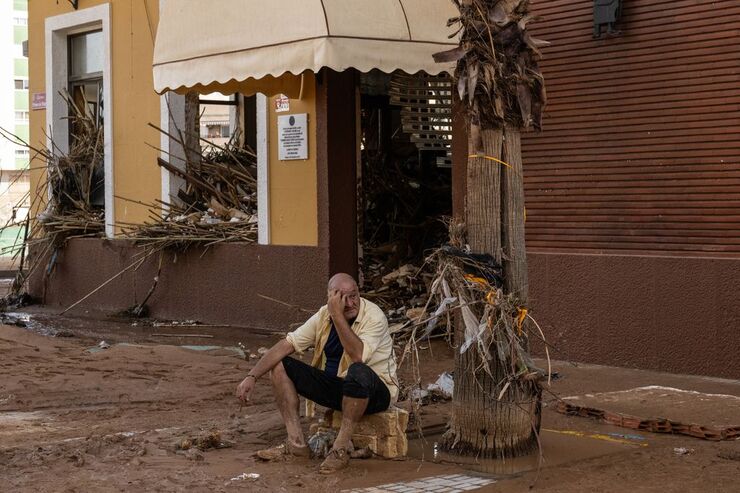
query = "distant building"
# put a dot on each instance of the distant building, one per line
(14, 116)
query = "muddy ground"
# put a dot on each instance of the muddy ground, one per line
(72, 420)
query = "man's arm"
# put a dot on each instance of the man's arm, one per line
(271, 358)
(352, 344)
(267, 362)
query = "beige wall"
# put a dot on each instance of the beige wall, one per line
(293, 186)
(135, 172)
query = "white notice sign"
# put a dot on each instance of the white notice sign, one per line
(293, 137)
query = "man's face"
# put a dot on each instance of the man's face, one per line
(352, 298)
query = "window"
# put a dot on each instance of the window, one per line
(217, 131)
(86, 73)
(22, 153)
(21, 116)
(79, 64)
(86, 56)
(21, 83)
(219, 118)
(20, 21)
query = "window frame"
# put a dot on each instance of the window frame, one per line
(57, 31)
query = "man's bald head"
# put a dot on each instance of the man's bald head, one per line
(342, 282)
(346, 286)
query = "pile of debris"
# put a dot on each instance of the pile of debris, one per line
(400, 222)
(69, 197)
(217, 204)
(400, 293)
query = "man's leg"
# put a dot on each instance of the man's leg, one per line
(287, 401)
(360, 387)
(291, 378)
(352, 410)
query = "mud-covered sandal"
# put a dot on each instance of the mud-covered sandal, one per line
(283, 451)
(336, 460)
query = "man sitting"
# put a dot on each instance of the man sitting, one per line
(353, 368)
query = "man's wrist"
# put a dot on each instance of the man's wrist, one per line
(250, 375)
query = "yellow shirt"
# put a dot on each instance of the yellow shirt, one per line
(370, 326)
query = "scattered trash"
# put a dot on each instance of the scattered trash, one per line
(262, 350)
(418, 395)
(683, 451)
(19, 320)
(444, 386)
(15, 300)
(252, 476)
(204, 441)
(177, 323)
(627, 436)
(321, 442)
(103, 345)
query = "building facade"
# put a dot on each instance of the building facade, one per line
(632, 188)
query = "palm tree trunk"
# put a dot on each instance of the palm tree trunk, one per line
(481, 424)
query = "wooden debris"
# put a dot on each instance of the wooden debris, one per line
(218, 203)
(68, 195)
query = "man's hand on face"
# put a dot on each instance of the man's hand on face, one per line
(245, 388)
(336, 303)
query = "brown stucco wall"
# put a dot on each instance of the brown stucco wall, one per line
(221, 285)
(678, 315)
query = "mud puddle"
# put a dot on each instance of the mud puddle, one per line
(558, 447)
(28, 321)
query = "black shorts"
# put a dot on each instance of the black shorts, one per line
(325, 390)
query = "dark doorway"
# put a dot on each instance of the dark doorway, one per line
(404, 185)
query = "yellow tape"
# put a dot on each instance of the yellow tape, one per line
(596, 436)
(491, 158)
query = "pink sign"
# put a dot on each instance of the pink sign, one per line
(38, 101)
(282, 103)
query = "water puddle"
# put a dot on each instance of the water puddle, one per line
(26, 320)
(558, 446)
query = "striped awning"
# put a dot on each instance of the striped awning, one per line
(244, 45)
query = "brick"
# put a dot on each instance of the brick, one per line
(388, 423)
(388, 447)
(362, 441)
